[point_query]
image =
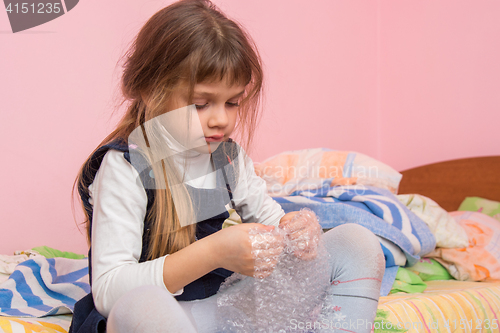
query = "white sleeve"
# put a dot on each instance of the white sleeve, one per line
(250, 197)
(119, 207)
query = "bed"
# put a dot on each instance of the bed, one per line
(444, 306)
(450, 306)
(449, 182)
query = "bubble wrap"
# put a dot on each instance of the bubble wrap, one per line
(296, 289)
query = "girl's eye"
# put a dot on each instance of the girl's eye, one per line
(233, 104)
(201, 107)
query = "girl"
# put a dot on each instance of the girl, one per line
(156, 190)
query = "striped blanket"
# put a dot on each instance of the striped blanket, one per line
(403, 236)
(40, 287)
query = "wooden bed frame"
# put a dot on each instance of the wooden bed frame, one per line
(449, 183)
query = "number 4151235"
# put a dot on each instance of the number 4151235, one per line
(40, 8)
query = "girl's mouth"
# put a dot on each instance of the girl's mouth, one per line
(215, 138)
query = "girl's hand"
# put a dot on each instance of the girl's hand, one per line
(234, 251)
(303, 233)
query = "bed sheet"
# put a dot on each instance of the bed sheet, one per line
(446, 306)
(49, 324)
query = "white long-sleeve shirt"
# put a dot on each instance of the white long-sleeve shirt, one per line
(119, 207)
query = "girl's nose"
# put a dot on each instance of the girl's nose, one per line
(218, 116)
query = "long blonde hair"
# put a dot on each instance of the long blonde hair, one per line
(190, 41)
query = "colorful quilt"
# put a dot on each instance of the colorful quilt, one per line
(480, 260)
(445, 306)
(50, 324)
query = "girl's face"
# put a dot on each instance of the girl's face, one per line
(217, 106)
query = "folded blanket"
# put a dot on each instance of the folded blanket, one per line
(374, 208)
(41, 287)
(446, 230)
(404, 237)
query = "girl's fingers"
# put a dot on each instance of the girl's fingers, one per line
(265, 247)
(306, 255)
(266, 250)
(268, 253)
(292, 226)
(299, 234)
(308, 234)
(266, 241)
(264, 268)
(298, 225)
(303, 233)
(265, 265)
(305, 242)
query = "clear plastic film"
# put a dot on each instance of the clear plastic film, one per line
(294, 292)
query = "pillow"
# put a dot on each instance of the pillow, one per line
(480, 260)
(447, 232)
(313, 169)
(485, 206)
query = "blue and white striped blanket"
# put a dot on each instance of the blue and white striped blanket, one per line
(40, 287)
(376, 209)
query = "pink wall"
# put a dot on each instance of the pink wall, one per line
(406, 82)
(439, 79)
